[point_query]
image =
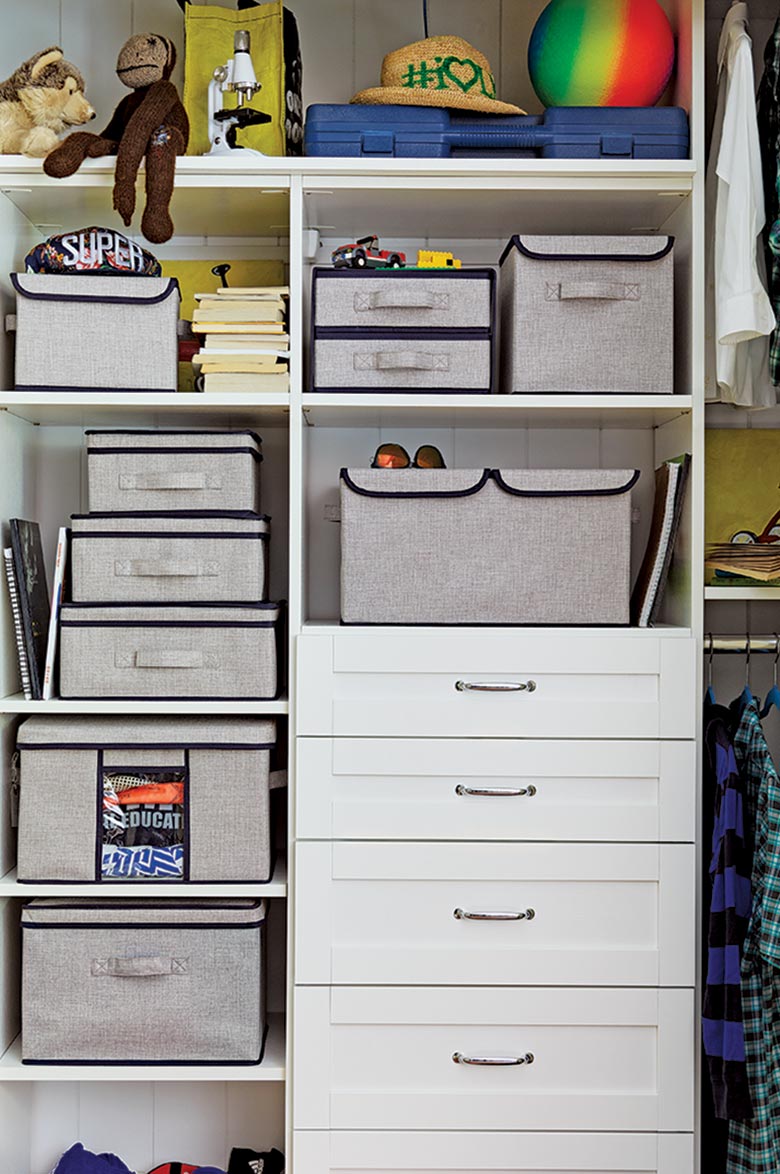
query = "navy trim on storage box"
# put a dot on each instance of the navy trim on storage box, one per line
(488, 475)
(173, 432)
(322, 272)
(516, 242)
(154, 300)
(155, 1063)
(94, 452)
(71, 387)
(170, 534)
(145, 746)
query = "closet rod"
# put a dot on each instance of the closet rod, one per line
(741, 645)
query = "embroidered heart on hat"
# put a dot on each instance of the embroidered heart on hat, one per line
(456, 69)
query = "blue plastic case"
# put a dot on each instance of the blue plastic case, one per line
(562, 132)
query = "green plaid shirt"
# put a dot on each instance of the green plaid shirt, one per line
(769, 134)
(754, 1146)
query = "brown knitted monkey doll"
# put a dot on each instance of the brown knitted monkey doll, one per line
(151, 122)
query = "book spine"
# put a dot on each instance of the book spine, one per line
(21, 651)
(25, 609)
(54, 619)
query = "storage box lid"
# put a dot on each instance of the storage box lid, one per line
(145, 733)
(181, 524)
(222, 914)
(183, 440)
(448, 483)
(107, 289)
(589, 248)
(171, 615)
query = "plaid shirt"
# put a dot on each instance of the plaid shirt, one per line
(769, 134)
(728, 916)
(754, 1146)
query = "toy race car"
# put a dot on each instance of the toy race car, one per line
(769, 535)
(366, 254)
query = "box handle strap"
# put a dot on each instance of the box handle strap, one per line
(165, 569)
(147, 481)
(401, 361)
(154, 966)
(401, 298)
(592, 291)
(162, 658)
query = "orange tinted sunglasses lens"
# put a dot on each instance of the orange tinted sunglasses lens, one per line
(391, 456)
(428, 457)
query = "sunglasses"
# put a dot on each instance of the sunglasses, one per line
(395, 456)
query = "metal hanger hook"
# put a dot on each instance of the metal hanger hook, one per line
(747, 661)
(711, 644)
(777, 658)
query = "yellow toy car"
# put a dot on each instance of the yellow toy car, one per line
(434, 259)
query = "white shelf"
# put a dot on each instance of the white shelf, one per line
(276, 887)
(333, 628)
(17, 704)
(153, 409)
(271, 1069)
(323, 409)
(470, 197)
(744, 594)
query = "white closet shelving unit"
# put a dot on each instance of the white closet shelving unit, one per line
(297, 210)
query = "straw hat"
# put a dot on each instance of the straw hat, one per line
(439, 71)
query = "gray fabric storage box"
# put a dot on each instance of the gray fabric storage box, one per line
(167, 471)
(124, 982)
(589, 314)
(184, 651)
(92, 332)
(472, 546)
(169, 558)
(403, 330)
(72, 768)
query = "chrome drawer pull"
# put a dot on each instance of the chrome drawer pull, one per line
(465, 915)
(493, 1061)
(498, 792)
(495, 686)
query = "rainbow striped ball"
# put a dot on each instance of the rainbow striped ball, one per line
(601, 53)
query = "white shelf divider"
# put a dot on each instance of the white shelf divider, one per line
(17, 704)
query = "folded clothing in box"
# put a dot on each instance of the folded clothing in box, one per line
(145, 798)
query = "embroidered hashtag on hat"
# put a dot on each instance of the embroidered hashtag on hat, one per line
(439, 71)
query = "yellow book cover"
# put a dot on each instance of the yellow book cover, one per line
(742, 499)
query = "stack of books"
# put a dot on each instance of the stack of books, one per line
(754, 561)
(244, 339)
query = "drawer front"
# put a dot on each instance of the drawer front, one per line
(398, 685)
(359, 1152)
(395, 363)
(427, 301)
(435, 789)
(499, 914)
(604, 1060)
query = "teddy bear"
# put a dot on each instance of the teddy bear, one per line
(37, 102)
(149, 123)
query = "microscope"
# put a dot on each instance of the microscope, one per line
(237, 76)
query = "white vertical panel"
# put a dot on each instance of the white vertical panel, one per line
(17, 493)
(255, 1115)
(16, 1136)
(10, 969)
(327, 44)
(190, 1124)
(17, 236)
(54, 1122)
(93, 34)
(118, 1118)
(29, 27)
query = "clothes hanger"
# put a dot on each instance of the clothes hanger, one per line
(773, 696)
(425, 16)
(746, 696)
(709, 696)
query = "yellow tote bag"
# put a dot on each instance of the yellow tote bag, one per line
(208, 35)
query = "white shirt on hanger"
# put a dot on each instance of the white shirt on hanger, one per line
(740, 316)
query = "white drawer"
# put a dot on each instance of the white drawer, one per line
(606, 1060)
(396, 684)
(585, 914)
(358, 1152)
(418, 789)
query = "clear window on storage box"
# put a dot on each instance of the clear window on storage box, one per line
(144, 823)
